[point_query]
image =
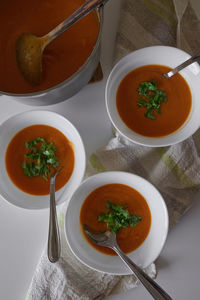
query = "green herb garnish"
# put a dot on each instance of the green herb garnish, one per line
(118, 217)
(39, 158)
(151, 98)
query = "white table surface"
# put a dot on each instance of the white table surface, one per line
(23, 233)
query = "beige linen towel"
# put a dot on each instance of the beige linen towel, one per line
(145, 23)
(173, 170)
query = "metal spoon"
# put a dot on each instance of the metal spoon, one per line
(182, 66)
(108, 239)
(29, 48)
(54, 236)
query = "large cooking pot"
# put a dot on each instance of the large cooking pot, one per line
(71, 85)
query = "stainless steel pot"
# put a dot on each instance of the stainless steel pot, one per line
(70, 86)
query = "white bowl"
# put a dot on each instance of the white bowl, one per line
(160, 55)
(13, 125)
(142, 256)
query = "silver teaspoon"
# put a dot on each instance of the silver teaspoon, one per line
(182, 66)
(108, 239)
(54, 236)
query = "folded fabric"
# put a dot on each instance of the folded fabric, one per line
(154, 22)
(173, 170)
(69, 279)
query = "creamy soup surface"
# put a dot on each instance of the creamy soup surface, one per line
(15, 157)
(174, 111)
(63, 57)
(129, 238)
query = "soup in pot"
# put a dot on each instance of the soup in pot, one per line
(61, 58)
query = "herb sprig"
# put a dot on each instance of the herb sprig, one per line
(39, 158)
(118, 217)
(151, 98)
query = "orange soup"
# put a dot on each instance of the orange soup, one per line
(15, 158)
(174, 111)
(129, 238)
(62, 57)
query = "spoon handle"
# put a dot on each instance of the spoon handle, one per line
(82, 11)
(154, 289)
(182, 66)
(54, 236)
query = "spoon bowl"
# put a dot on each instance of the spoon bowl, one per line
(29, 50)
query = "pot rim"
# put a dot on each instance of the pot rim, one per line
(99, 13)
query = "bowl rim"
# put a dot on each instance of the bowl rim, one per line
(112, 173)
(99, 13)
(81, 173)
(146, 140)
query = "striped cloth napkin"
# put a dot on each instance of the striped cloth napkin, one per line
(173, 170)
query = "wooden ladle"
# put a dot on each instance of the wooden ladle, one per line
(29, 48)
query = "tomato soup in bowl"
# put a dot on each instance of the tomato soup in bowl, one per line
(117, 203)
(33, 145)
(72, 54)
(141, 227)
(147, 108)
(30, 166)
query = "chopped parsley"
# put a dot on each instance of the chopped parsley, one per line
(151, 98)
(39, 158)
(118, 217)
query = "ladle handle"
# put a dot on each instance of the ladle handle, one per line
(54, 248)
(182, 66)
(82, 11)
(154, 289)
